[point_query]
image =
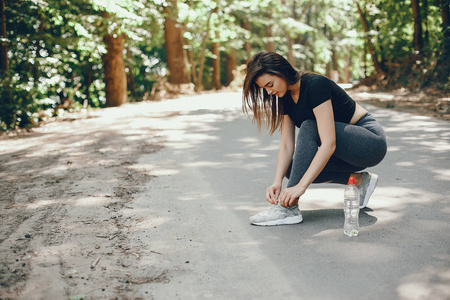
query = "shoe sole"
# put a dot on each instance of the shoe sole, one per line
(372, 185)
(285, 221)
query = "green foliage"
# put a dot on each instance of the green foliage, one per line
(56, 47)
(392, 33)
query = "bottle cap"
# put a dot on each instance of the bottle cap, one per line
(351, 180)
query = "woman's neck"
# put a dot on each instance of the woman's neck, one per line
(295, 88)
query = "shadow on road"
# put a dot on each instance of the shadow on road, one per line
(163, 191)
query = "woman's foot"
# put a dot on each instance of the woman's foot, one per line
(277, 215)
(366, 188)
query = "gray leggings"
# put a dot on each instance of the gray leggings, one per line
(357, 147)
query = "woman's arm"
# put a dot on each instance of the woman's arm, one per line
(284, 159)
(325, 125)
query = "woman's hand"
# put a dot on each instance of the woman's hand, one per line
(290, 196)
(273, 192)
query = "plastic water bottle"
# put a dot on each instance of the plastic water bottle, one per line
(351, 208)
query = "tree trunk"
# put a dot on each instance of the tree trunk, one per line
(365, 58)
(88, 81)
(230, 66)
(290, 41)
(425, 21)
(114, 68)
(365, 24)
(270, 45)
(4, 64)
(445, 25)
(199, 85)
(290, 56)
(418, 35)
(335, 74)
(441, 71)
(190, 56)
(308, 64)
(130, 76)
(216, 62)
(35, 68)
(247, 45)
(348, 63)
(176, 60)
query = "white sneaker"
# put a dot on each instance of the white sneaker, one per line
(277, 215)
(366, 188)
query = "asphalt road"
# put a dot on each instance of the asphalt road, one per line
(211, 175)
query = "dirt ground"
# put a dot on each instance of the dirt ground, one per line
(430, 103)
(65, 186)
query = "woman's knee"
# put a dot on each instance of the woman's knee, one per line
(308, 129)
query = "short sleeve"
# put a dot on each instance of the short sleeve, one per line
(319, 91)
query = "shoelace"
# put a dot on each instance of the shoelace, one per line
(280, 208)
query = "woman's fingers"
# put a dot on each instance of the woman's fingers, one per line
(283, 198)
(269, 196)
(286, 199)
(272, 193)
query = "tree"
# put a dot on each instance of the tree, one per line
(176, 60)
(378, 66)
(82, 53)
(445, 14)
(418, 36)
(4, 65)
(230, 65)
(247, 45)
(216, 61)
(270, 44)
(114, 65)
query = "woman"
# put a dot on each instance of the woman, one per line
(337, 138)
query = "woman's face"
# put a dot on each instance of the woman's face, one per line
(274, 85)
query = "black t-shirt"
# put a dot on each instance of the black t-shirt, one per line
(314, 90)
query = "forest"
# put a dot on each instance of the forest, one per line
(61, 55)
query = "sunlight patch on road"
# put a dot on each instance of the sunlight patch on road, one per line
(59, 170)
(437, 145)
(254, 166)
(354, 252)
(200, 164)
(391, 203)
(394, 148)
(239, 155)
(442, 174)
(258, 155)
(195, 196)
(164, 172)
(431, 283)
(249, 140)
(181, 140)
(398, 198)
(365, 95)
(92, 201)
(404, 164)
(42, 203)
(320, 197)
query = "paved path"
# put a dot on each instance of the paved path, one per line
(176, 213)
(212, 176)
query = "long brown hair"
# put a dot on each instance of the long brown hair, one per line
(266, 109)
